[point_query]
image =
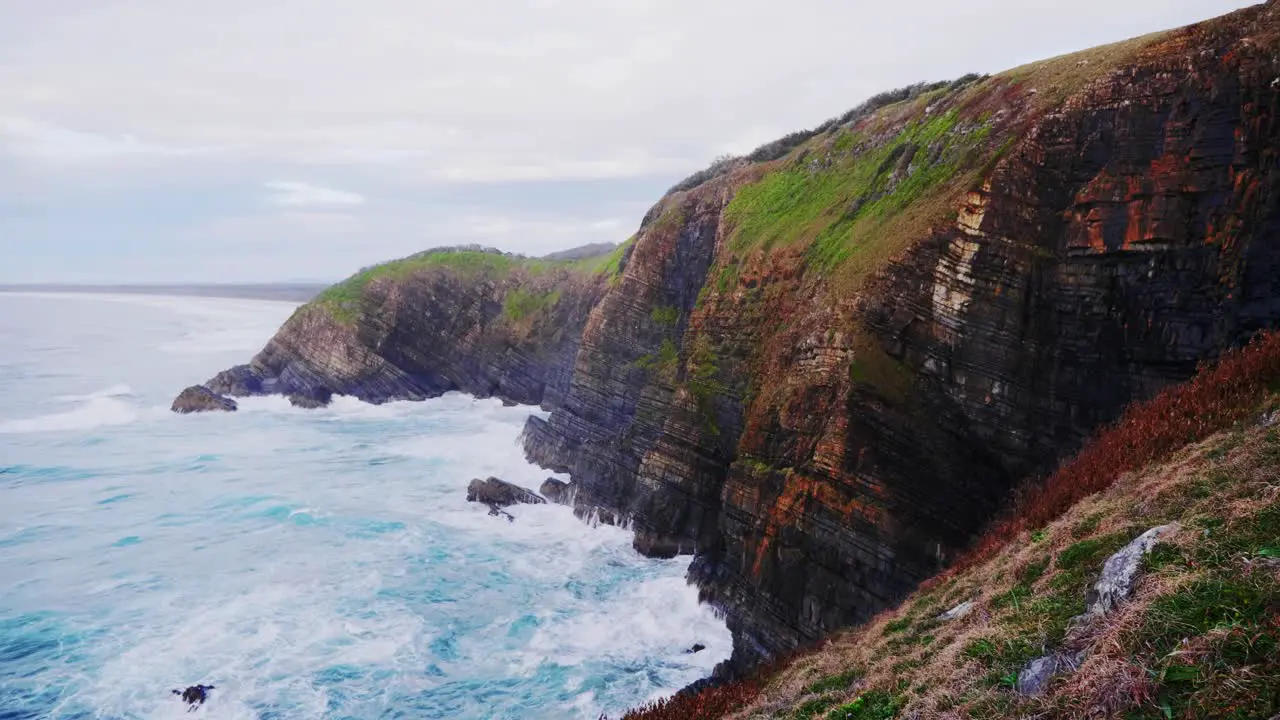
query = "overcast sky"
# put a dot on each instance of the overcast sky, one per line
(258, 140)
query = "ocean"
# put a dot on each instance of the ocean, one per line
(308, 564)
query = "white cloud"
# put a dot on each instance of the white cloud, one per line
(551, 234)
(297, 194)
(492, 90)
(43, 141)
(179, 108)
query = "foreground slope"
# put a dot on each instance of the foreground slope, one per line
(821, 368)
(1196, 636)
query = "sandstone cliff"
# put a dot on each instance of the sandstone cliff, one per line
(821, 369)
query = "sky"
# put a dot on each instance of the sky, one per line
(299, 140)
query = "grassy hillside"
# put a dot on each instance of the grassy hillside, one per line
(1200, 637)
(342, 300)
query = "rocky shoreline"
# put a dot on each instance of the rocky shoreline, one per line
(821, 424)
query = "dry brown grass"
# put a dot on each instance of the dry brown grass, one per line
(942, 678)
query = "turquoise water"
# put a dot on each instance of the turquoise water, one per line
(315, 564)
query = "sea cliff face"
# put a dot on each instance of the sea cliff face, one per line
(821, 369)
(477, 322)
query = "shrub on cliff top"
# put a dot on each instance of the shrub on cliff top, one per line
(775, 149)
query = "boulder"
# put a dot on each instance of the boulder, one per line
(1120, 573)
(199, 398)
(557, 491)
(239, 381)
(313, 400)
(1115, 584)
(957, 612)
(697, 648)
(499, 494)
(1035, 677)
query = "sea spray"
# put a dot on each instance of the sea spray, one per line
(308, 563)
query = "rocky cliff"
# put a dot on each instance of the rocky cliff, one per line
(470, 320)
(821, 368)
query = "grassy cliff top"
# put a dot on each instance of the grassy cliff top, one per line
(342, 299)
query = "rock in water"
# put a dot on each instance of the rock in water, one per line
(499, 494)
(199, 398)
(313, 400)
(557, 491)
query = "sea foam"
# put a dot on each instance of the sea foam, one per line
(310, 564)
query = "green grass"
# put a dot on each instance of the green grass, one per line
(665, 315)
(797, 204)
(703, 383)
(897, 626)
(664, 364)
(1003, 657)
(1214, 649)
(608, 265)
(839, 681)
(343, 299)
(1022, 590)
(1041, 620)
(1087, 526)
(521, 303)
(1088, 555)
(814, 708)
(871, 705)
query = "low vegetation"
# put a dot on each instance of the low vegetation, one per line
(1218, 397)
(779, 148)
(521, 304)
(836, 199)
(1200, 637)
(343, 299)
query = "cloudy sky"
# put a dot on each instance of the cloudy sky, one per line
(257, 140)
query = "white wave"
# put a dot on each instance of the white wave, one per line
(400, 581)
(97, 412)
(660, 618)
(262, 647)
(275, 404)
(115, 391)
(479, 437)
(345, 407)
(223, 326)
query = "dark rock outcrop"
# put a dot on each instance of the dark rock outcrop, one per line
(557, 491)
(199, 398)
(319, 398)
(500, 493)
